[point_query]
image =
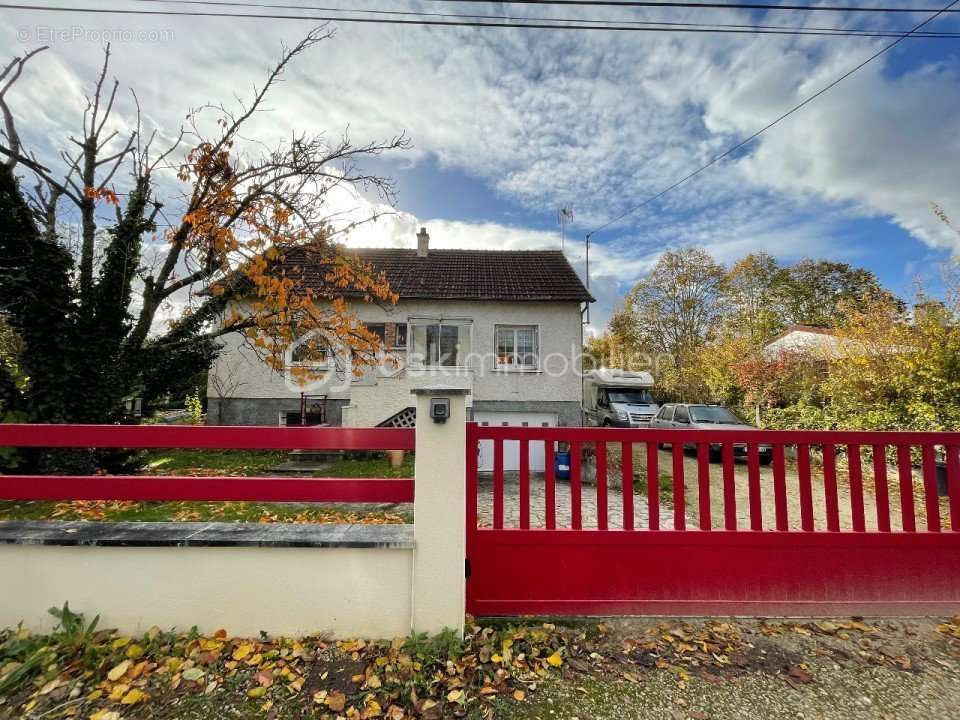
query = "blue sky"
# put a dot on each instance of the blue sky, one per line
(508, 125)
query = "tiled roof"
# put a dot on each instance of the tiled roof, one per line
(461, 274)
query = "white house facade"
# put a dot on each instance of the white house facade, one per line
(507, 325)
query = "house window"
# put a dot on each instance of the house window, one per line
(440, 343)
(393, 336)
(380, 330)
(518, 347)
(401, 342)
(310, 352)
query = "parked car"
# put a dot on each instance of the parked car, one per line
(675, 416)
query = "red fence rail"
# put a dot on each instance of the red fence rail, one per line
(724, 521)
(258, 489)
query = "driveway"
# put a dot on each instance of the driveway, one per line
(691, 491)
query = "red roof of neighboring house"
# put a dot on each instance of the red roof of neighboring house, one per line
(523, 275)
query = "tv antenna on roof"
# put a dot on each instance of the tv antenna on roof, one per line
(564, 216)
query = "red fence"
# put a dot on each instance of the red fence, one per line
(665, 529)
(262, 489)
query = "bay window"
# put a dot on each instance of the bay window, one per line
(517, 347)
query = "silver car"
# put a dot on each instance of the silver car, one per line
(676, 416)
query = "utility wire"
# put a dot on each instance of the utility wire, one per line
(712, 5)
(766, 127)
(523, 18)
(449, 23)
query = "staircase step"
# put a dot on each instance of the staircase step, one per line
(315, 456)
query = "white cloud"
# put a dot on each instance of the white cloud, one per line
(602, 120)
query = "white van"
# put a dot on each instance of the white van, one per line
(618, 398)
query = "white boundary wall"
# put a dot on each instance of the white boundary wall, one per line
(344, 592)
(362, 582)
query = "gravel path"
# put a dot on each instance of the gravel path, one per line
(691, 492)
(511, 504)
(903, 670)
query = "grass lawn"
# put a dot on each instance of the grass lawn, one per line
(238, 463)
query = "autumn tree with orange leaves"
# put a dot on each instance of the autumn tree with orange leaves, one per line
(88, 316)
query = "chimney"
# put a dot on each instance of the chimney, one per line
(423, 243)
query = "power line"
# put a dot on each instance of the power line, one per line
(832, 30)
(782, 117)
(710, 5)
(455, 23)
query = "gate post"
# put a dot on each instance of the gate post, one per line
(439, 512)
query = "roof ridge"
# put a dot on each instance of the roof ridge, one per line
(471, 250)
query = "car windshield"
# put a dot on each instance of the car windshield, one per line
(629, 395)
(714, 414)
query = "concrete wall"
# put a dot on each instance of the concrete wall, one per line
(263, 411)
(346, 592)
(240, 375)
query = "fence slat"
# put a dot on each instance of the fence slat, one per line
(830, 487)
(806, 492)
(626, 480)
(653, 486)
(729, 488)
(549, 485)
(679, 495)
(880, 487)
(953, 486)
(855, 470)
(601, 485)
(905, 476)
(524, 484)
(753, 481)
(703, 485)
(576, 488)
(498, 484)
(930, 497)
(780, 488)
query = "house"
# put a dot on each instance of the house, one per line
(506, 324)
(807, 340)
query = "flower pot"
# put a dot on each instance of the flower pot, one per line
(395, 457)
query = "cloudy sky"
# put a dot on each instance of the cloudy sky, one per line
(508, 125)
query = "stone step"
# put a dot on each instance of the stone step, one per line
(299, 468)
(315, 456)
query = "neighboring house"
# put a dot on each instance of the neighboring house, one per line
(805, 339)
(505, 324)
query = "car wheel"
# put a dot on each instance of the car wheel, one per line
(766, 458)
(715, 455)
(661, 446)
(607, 423)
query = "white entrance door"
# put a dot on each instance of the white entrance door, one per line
(511, 448)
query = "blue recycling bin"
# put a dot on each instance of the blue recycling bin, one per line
(561, 465)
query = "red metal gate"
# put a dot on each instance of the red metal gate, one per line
(809, 538)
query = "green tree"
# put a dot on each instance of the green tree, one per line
(820, 292)
(675, 310)
(750, 292)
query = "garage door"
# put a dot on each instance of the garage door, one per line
(511, 448)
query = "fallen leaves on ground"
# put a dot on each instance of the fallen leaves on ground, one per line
(92, 674)
(118, 511)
